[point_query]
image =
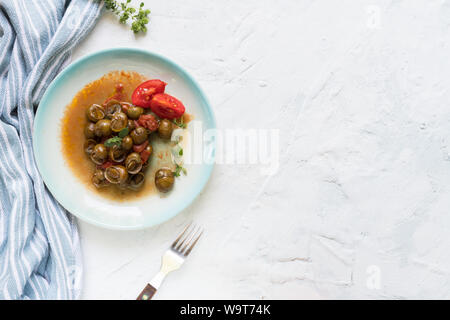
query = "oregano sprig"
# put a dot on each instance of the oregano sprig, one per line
(139, 17)
(179, 123)
(178, 170)
(114, 141)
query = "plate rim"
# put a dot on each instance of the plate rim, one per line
(73, 66)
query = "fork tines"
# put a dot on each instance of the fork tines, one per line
(187, 239)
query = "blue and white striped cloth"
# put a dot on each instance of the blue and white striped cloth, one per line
(39, 247)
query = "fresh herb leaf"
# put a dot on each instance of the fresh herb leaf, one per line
(124, 132)
(180, 153)
(111, 142)
(178, 170)
(180, 123)
(111, 5)
(125, 11)
(140, 20)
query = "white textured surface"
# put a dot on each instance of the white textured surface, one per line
(360, 92)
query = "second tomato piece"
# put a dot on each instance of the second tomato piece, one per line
(166, 107)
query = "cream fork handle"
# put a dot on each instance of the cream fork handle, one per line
(170, 262)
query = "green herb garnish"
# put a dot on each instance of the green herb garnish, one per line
(114, 141)
(180, 153)
(140, 20)
(178, 170)
(180, 123)
(124, 11)
(124, 132)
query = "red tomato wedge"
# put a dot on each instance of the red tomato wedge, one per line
(166, 106)
(107, 164)
(143, 93)
(140, 147)
(145, 154)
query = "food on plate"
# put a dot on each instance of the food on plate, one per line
(117, 135)
(99, 154)
(102, 128)
(166, 106)
(164, 179)
(143, 94)
(165, 129)
(89, 131)
(111, 107)
(116, 174)
(134, 112)
(133, 163)
(139, 135)
(148, 121)
(119, 121)
(98, 179)
(95, 112)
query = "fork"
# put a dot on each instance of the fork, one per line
(172, 259)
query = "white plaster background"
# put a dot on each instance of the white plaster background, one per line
(359, 90)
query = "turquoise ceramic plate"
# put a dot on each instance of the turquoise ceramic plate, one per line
(73, 194)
